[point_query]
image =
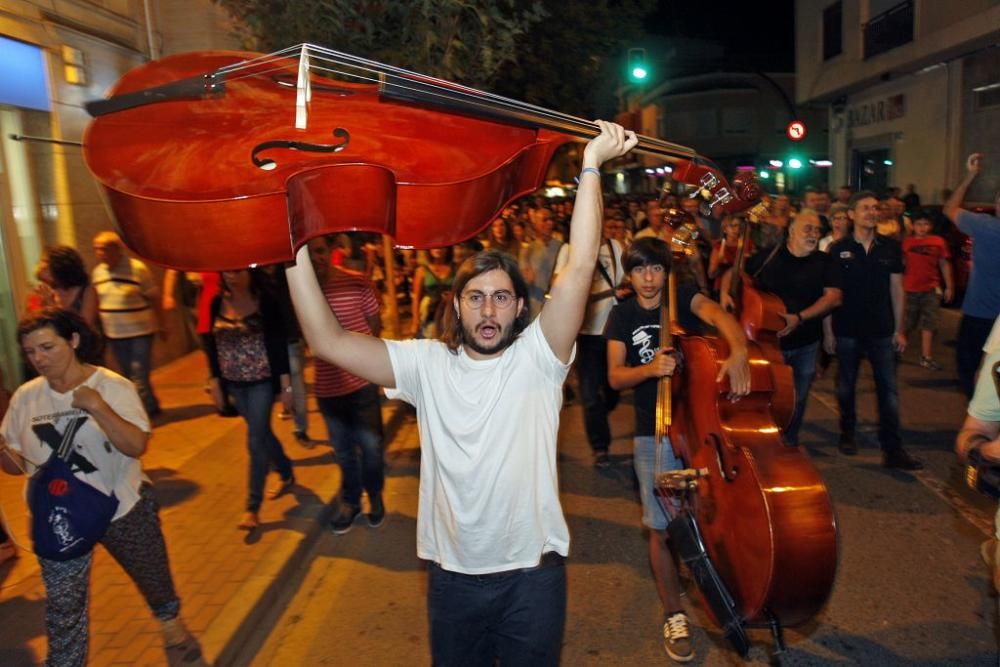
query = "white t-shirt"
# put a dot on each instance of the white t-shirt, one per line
(596, 315)
(489, 494)
(39, 416)
(993, 341)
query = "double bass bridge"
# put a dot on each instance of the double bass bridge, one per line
(680, 481)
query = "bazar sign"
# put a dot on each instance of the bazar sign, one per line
(879, 111)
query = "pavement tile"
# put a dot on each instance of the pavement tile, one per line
(99, 657)
(200, 621)
(194, 603)
(131, 651)
(123, 636)
(154, 655)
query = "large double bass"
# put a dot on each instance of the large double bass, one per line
(222, 160)
(751, 516)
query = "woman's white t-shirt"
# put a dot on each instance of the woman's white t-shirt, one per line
(39, 417)
(489, 493)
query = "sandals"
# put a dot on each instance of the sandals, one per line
(281, 488)
(250, 521)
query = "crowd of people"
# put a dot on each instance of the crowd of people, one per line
(550, 284)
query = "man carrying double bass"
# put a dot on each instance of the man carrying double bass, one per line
(808, 284)
(487, 396)
(637, 360)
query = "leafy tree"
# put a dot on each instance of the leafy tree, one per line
(573, 61)
(466, 41)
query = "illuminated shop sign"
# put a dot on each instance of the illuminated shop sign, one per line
(22, 76)
(880, 111)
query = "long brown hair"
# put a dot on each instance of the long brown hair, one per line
(452, 333)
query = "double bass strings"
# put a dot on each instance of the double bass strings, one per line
(436, 90)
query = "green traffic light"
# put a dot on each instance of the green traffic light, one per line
(637, 70)
(795, 163)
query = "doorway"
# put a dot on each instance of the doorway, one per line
(870, 170)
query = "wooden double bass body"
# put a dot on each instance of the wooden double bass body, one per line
(764, 513)
(221, 160)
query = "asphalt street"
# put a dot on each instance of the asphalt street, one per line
(910, 588)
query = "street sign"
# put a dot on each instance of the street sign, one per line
(796, 130)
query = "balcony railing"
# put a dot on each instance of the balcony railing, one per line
(889, 30)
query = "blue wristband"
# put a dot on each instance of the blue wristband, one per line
(591, 170)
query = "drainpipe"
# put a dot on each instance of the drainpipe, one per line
(154, 51)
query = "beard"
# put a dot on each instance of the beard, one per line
(500, 343)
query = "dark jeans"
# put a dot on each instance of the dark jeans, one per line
(354, 423)
(882, 358)
(803, 363)
(596, 395)
(134, 357)
(515, 616)
(972, 335)
(254, 401)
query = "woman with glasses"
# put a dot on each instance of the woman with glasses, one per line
(840, 226)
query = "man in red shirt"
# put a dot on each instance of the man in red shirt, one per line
(350, 405)
(927, 258)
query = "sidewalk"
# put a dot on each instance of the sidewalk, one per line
(226, 578)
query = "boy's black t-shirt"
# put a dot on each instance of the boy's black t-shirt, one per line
(639, 330)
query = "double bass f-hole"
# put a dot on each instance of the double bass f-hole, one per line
(267, 163)
(726, 469)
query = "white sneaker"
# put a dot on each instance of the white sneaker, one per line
(677, 638)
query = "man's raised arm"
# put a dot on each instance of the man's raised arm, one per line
(973, 165)
(363, 355)
(563, 313)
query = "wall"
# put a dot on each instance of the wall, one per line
(918, 140)
(971, 25)
(980, 127)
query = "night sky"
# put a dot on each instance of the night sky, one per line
(753, 37)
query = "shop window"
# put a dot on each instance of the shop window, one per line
(74, 68)
(23, 83)
(833, 30)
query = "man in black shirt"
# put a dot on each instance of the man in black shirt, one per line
(870, 323)
(637, 360)
(808, 283)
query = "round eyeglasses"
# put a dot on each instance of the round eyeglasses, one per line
(502, 299)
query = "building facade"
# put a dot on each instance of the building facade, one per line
(54, 57)
(737, 119)
(910, 88)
